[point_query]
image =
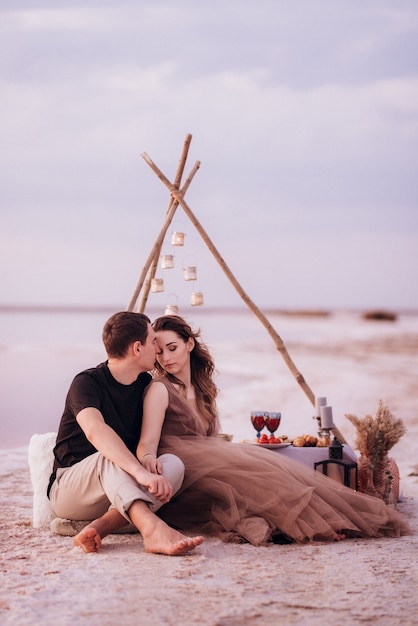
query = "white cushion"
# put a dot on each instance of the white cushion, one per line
(41, 460)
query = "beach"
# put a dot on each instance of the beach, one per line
(354, 363)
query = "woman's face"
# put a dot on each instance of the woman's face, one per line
(173, 352)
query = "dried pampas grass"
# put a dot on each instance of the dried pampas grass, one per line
(376, 436)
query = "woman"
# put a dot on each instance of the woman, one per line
(236, 491)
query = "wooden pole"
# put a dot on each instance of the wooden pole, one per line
(171, 210)
(177, 182)
(155, 251)
(252, 306)
(177, 195)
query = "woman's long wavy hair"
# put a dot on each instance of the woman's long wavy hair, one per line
(201, 364)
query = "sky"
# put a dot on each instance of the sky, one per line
(303, 115)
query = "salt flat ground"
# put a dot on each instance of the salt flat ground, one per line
(44, 580)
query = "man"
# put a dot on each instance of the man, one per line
(96, 475)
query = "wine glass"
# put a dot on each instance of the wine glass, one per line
(258, 421)
(272, 421)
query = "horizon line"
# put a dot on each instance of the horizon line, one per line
(102, 308)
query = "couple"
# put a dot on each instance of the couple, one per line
(234, 491)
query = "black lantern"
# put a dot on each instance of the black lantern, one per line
(335, 453)
(335, 450)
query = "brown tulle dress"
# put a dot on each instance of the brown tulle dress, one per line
(240, 492)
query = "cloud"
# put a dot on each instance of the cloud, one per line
(305, 124)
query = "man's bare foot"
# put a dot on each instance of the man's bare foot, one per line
(162, 539)
(88, 539)
(158, 537)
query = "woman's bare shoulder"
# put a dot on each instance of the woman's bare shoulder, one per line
(162, 380)
(158, 385)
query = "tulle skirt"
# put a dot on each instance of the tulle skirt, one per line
(240, 492)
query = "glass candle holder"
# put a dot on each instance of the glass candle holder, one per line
(190, 272)
(167, 261)
(157, 285)
(171, 309)
(196, 298)
(177, 238)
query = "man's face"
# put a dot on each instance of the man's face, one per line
(149, 350)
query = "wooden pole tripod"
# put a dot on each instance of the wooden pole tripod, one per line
(177, 198)
(151, 262)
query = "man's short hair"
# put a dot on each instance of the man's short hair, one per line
(122, 329)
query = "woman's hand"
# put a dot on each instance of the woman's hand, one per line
(151, 463)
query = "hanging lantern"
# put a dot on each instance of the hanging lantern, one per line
(189, 268)
(157, 285)
(196, 298)
(177, 238)
(178, 234)
(171, 308)
(167, 261)
(190, 272)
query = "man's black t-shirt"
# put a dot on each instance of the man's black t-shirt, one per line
(120, 405)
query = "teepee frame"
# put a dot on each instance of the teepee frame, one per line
(177, 194)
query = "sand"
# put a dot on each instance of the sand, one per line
(45, 580)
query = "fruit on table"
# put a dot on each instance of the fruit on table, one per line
(264, 438)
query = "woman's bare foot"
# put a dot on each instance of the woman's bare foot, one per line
(162, 539)
(329, 537)
(88, 539)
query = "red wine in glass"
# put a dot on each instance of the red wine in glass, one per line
(272, 421)
(258, 421)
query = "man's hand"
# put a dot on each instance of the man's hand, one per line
(108, 442)
(159, 487)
